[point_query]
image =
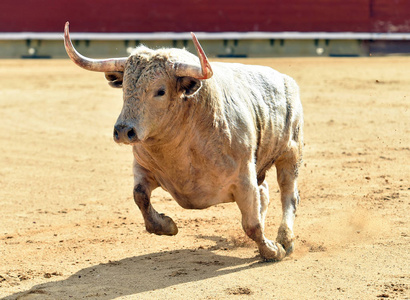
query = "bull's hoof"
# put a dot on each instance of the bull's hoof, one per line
(271, 251)
(163, 225)
(286, 238)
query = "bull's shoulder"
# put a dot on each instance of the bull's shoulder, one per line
(252, 84)
(259, 80)
(238, 69)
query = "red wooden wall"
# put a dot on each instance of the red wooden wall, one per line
(205, 15)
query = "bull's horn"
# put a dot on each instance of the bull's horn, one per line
(203, 72)
(98, 65)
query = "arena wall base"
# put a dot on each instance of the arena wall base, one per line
(47, 48)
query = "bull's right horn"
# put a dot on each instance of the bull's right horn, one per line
(98, 65)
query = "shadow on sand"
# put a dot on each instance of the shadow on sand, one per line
(140, 274)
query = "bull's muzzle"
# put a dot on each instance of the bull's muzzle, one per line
(125, 134)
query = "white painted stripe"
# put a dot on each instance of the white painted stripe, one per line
(208, 36)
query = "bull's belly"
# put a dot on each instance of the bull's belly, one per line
(197, 196)
(201, 201)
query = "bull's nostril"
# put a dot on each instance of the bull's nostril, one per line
(131, 134)
(116, 135)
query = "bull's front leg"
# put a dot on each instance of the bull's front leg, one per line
(144, 184)
(253, 201)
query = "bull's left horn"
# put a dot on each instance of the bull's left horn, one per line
(98, 65)
(202, 72)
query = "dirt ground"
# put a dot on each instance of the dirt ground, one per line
(69, 228)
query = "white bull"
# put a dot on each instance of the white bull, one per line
(207, 133)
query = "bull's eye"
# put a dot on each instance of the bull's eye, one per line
(160, 92)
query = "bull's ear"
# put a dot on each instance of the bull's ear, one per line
(114, 79)
(188, 85)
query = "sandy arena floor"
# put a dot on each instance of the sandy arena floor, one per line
(69, 228)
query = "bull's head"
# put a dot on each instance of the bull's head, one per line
(152, 81)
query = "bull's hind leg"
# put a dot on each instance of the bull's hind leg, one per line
(154, 222)
(253, 202)
(287, 172)
(264, 202)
